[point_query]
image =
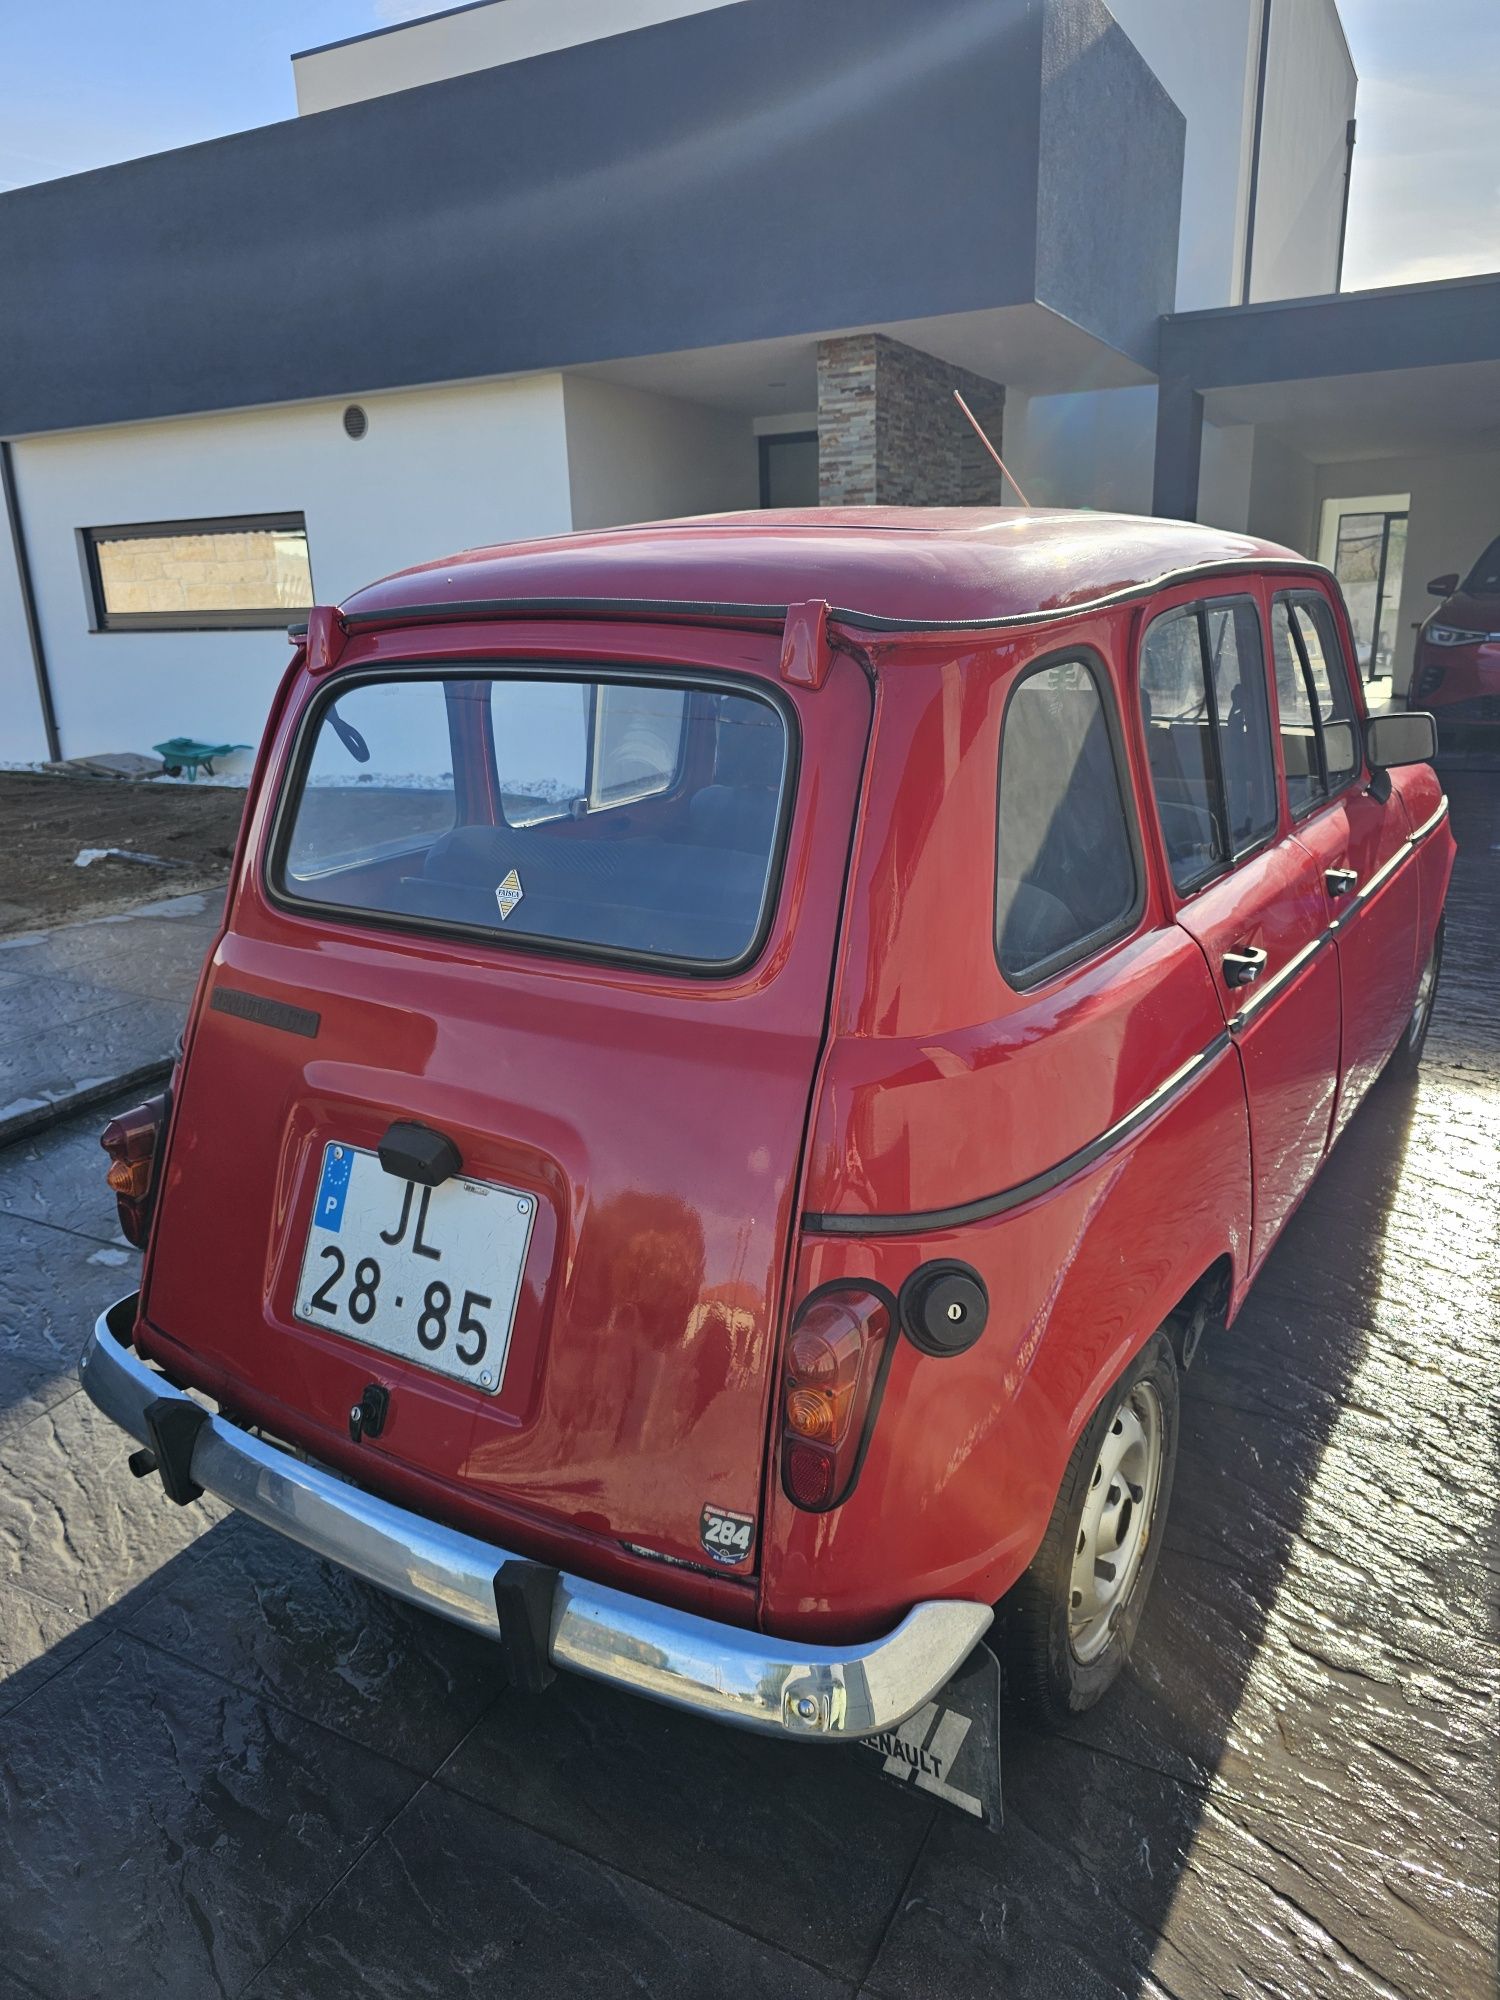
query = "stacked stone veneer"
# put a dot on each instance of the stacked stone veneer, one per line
(890, 433)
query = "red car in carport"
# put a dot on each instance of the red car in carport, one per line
(1457, 670)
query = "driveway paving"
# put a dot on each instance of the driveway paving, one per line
(228, 1769)
(91, 1007)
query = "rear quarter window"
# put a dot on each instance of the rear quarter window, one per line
(1067, 876)
(586, 813)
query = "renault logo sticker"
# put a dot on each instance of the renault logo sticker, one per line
(509, 894)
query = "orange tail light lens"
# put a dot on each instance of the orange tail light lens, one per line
(132, 1141)
(835, 1363)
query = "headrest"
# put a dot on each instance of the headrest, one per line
(748, 746)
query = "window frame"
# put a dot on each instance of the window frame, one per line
(272, 618)
(1219, 810)
(1064, 960)
(272, 874)
(1290, 598)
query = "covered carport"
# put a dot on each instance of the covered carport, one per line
(1361, 428)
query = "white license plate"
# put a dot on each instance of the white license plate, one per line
(431, 1274)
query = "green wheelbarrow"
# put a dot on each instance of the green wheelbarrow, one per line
(181, 753)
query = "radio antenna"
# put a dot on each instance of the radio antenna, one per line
(979, 433)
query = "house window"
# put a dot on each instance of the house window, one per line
(1364, 543)
(241, 573)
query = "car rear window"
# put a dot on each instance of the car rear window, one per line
(1066, 880)
(602, 814)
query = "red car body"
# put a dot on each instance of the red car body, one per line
(865, 1098)
(1456, 671)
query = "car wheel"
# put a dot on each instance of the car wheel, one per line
(1067, 1627)
(1406, 1057)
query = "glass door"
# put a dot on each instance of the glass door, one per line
(1364, 544)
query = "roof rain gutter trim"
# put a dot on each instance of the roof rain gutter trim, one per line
(458, 611)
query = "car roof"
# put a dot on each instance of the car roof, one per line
(905, 566)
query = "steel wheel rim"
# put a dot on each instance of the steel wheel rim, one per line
(1116, 1527)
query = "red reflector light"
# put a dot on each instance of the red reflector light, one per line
(833, 1364)
(131, 1142)
(809, 1474)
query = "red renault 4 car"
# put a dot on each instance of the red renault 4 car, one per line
(740, 1058)
(1457, 667)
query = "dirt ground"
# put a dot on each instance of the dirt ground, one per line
(45, 820)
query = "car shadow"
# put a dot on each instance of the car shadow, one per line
(1292, 1783)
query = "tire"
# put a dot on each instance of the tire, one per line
(1066, 1630)
(1406, 1058)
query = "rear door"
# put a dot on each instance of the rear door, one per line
(579, 921)
(1248, 894)
(1355, 836)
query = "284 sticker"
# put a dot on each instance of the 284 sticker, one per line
(727, 1537)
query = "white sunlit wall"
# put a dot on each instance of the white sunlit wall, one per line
(1096, 449)
(436, 471)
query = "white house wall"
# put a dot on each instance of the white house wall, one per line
(637, 456)
(437, 471)
(1092, 449)
(1283, 506)
(1299, 203)
(478, 37)
(1206, 53)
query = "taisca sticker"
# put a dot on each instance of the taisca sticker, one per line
(727, 1537)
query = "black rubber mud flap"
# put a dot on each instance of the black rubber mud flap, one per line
(951, 1746)
(173, 1425)
(523, 1600)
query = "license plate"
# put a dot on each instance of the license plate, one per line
(431, 1274)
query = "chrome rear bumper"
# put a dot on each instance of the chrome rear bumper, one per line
(780, 1687)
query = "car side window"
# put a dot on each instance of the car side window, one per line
(1208, 735)
(1067, 879)
(1319, 742)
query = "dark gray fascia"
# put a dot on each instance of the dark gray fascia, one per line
(1346, 333)
(774, 168)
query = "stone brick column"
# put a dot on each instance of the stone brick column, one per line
(890, 433)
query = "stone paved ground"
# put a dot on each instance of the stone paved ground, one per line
(84, 1005)
(227, 1769)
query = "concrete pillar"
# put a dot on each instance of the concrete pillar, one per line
(1179, 449)
(891, 435)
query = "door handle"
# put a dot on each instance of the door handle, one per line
(1243, 967)
(1341, 881)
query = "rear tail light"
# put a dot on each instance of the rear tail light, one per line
(132, 1142)
(835, 1366)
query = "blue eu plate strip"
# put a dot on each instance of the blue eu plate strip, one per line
(338, 1164)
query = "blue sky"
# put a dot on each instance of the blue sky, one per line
(84, 83)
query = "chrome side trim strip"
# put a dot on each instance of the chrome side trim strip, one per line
(1042, 1183)
(997, 1204)
(1279, 979)
(778, 1687)
(1429, 825)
